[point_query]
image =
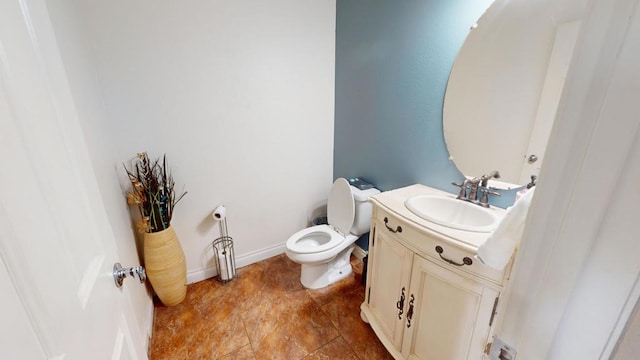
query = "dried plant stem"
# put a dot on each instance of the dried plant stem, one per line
(153, 192)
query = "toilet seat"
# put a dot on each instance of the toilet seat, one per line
(340, 215)
(314, 239)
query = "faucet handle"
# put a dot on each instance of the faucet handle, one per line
(462, 195)
(484, 199)
(488, 191)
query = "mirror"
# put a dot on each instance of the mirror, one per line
(505, 86)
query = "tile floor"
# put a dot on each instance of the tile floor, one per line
(265, 313)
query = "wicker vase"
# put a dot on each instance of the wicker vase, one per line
(166, 266)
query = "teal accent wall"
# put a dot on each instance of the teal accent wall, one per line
(393, 60)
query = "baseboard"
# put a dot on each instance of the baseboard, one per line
(359, 252)
(194, 276)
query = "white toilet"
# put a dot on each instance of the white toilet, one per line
(324, 250)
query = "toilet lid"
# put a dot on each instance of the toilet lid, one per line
(341, 208)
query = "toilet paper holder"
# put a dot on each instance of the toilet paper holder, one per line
(223, 253)
(224, 257)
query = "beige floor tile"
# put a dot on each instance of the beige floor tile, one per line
(265, 313)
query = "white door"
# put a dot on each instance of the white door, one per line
(54, 235)
(559, 61)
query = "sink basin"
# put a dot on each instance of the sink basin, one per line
(453, 213)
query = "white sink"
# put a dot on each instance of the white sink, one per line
(453, 213)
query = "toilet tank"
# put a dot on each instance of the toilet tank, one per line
(362, 218)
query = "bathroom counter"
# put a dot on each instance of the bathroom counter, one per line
(393, 201)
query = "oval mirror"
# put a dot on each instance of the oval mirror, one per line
(505, 86)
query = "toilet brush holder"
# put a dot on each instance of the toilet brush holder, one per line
(224, 258)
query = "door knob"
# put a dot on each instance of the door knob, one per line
(120, 273)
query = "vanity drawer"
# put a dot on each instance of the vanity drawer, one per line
(393, 225)
(443, 251)
(450, 256)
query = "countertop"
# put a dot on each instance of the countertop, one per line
(393, 201)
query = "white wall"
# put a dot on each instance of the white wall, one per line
(240, 97)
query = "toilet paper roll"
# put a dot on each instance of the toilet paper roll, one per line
(229, 271)
(224, 267)
(219, 213)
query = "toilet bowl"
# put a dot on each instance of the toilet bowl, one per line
(324, 251)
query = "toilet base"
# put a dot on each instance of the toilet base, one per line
(316, 276)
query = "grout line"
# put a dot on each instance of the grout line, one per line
(246, 333)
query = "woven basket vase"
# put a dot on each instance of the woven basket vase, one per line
(166, 266)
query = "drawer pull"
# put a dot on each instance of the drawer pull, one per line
(398, 228)
(465, 261)
(410, 312)
(400, 305)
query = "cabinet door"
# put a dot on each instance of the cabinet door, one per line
(451, 314)
(390, 276)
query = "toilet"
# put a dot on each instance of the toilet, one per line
(324, 251)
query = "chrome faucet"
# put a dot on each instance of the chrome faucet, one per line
(473, 193)
(462, 195)
(484, 199)
(472, 185)
(475, 186)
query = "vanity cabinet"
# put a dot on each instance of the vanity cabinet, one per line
(424, 300)
(390, 274)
